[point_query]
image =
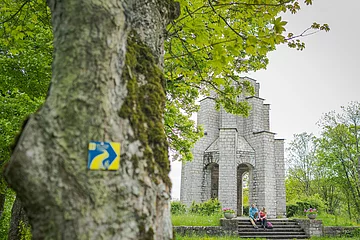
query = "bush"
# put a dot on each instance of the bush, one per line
(209, 207)
(353, 233)
(246, 210)
(291, 209)
(178, 207)
(297, 207)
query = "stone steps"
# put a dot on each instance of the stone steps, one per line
(282, 229)
(276, 237)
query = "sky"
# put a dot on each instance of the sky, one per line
(301, 86)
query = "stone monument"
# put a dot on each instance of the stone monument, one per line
(232, 146)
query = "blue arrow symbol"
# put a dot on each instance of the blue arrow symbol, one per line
(112, 155)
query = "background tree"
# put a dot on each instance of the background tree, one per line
(326, 168)
(107, 84)
(339, 152)
(301, 160)
(25, 72)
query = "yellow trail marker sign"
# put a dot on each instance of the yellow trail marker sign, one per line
(104, 155)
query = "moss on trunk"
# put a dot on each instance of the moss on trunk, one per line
(144, 106)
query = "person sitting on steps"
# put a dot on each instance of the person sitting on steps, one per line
(263, 217)
(253, 214)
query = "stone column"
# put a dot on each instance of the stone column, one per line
(227, 168)
(265, 185)
(192, 176)
(280, 178)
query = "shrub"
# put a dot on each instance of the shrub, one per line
(246, 210)
(178, 207)
(291, 209)
(352, 233)
(209, 207)
(297, 207)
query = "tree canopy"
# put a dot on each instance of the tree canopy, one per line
(207, 49)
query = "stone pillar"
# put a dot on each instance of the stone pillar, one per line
(265, 117)
(257, 89)
(254, 123)
(192, 175)
(227, 168)
(265, 185)
(280, 178)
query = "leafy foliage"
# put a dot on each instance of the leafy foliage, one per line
(25, 65)
(25, 47)
(330, 165)
(14, 107)
(296, 207)
(25, 73)
(301, 159)
(339, 153)
(177, 207)
(25, 231)
(211, 206)
(6, 216)
(207, 48)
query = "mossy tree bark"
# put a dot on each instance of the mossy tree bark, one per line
(18, 221)
(107, 85)
(2, 203)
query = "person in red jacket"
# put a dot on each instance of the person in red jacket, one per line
(262, 217)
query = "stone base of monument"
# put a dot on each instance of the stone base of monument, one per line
(282, 229)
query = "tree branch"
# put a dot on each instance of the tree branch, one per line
(224, 20)
(19, 10)
(200, 49)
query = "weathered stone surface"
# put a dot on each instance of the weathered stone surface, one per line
(339, 231)
(201, 231)
(237, 145)
(311, 227)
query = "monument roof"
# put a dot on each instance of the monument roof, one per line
(214, 147)
(242, 145)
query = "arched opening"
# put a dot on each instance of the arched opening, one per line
(211, 183)
(243, 188)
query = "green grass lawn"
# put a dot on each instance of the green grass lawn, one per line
(233, 238)
(332, 220)
(196, 220)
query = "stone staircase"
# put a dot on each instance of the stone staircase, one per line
(282, 229)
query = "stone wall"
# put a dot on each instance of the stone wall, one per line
(201, 231)
(341, 231)
(312, 228)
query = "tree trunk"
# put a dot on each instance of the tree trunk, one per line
(107, 85)
(2, 203)
(18, 221)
